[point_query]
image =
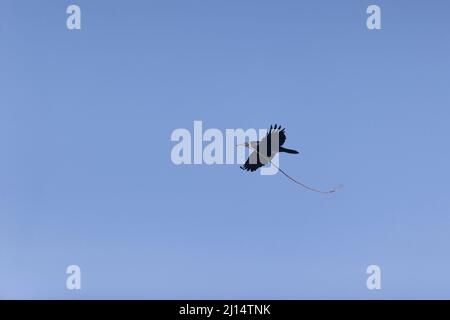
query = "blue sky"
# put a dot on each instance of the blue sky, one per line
(85, 170)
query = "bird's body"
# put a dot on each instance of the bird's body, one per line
(266, 149)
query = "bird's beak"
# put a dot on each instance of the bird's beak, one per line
(241, 145)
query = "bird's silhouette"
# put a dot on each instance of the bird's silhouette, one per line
(266, 149)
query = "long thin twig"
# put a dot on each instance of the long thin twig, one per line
(333, 190)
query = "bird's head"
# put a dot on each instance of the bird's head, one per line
(250, 144)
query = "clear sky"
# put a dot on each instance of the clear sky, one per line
(86, 176)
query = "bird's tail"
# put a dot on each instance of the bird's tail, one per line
(288, 150)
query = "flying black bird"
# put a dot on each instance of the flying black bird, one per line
(266, 149)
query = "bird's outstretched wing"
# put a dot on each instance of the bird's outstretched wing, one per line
(267, 144)
(252, 163)
(274, 131)
(278, 131)
(261, 156)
